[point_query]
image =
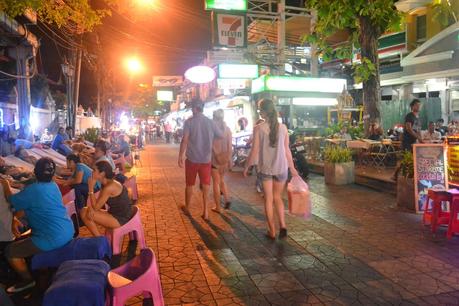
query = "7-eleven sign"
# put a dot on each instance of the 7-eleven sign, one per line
(230, 30)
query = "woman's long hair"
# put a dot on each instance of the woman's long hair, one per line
(267, 106)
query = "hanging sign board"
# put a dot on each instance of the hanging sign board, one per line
(429, 171)
(230, 30)
(167, 81)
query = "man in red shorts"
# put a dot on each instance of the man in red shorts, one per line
(198, 135)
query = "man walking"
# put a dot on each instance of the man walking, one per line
(196, 145)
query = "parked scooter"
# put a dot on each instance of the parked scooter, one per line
(299, 160)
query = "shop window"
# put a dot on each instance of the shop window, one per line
(421, 28)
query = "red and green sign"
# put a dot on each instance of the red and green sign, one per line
(230, 30)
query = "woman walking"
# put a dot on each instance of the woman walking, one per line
(221, 161)
(271, 150)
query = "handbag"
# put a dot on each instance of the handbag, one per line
(299, 198)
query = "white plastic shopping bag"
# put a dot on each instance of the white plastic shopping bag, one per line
(299, 199)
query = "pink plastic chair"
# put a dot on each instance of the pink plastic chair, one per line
(68, 197)
(131, 184)
(138, 276)
(133, 227)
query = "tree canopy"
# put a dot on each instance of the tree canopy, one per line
(77, 15)
(363, 21)
(334, 16)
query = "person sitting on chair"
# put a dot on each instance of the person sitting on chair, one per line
(79, 179)
(59, 142)
(41, 204)
(113, 194)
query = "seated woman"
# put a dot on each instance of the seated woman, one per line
(375, 132)
(79, 179)
(113, 194)
(41, 203)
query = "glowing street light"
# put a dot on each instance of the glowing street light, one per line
(146, 3)
(133, 65)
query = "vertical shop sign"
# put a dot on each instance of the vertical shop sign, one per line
(230, 30)
(429, 171)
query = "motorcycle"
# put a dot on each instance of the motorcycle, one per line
(299, 160)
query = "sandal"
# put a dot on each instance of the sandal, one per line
(282, 233)
(269, 236)
(21, 287)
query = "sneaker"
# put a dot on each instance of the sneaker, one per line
(21, 287)
(282, 233)
(259, 190)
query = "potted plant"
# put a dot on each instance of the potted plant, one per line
(338, 166)
(405, 183)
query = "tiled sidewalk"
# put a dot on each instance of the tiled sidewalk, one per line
(356, 250)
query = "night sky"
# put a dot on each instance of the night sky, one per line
(169, 39)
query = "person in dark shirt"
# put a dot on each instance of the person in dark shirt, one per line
(440, 127)
(412, 130)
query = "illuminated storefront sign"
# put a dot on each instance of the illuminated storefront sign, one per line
(314, 101)
(237, 71)
(297, 84)
(232, 83)
(229, 5)
(165, 95)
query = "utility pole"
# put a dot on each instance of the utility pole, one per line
(281, 38)
(314, 55)
(77, 85)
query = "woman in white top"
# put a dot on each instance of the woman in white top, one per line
(222, 150)
(271, 149)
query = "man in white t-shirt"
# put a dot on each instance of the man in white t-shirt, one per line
(431, 135)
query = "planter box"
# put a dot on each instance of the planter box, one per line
(405, 193)
(339, 174)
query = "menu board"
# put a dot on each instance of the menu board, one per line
(429, 171)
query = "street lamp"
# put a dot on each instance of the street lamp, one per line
(144, 3)
(133, 65)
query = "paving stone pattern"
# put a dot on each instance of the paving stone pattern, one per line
(357, 249)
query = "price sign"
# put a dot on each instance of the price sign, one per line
(429, 171)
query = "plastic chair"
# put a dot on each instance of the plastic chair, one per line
(72, 213)
(138, 276)
(131, 184)
(68, 197)
(436, 216)
(453, 226)
(133, 227)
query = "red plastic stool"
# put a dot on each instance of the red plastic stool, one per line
(436, 216)
(453, 226)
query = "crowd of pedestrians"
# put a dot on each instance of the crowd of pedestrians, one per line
(206, 150)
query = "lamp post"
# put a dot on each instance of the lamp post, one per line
(69, 72)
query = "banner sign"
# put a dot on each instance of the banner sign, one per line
(167, 81)
(429, 171)
(230, 30)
